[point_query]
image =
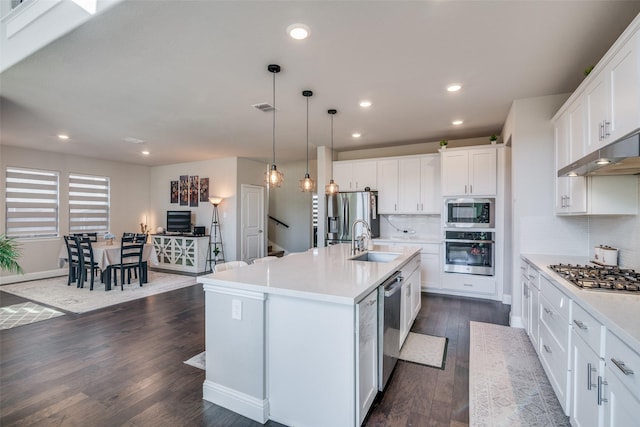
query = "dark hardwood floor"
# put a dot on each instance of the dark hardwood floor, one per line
(123, 366)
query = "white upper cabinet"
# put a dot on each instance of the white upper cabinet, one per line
(409, 185)
(387, 186)
(469, 172)
(355, 175)
(610, 97)
(624, 77)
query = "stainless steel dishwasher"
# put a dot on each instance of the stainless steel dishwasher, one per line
(389, 300)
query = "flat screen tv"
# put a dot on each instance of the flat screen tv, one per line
(178, 221)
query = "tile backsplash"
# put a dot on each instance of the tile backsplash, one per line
(426, 227)
(622, 232)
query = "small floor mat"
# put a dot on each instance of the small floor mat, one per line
(25, 313)
(424, 349)
(198, 361)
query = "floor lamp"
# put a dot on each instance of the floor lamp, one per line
(216, 250)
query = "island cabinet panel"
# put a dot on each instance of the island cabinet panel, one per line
(367, 339)
(236, 380)
(311, 363)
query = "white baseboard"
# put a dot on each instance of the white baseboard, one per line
(16, 278)
(516, 322)
(506, 299)
(238, 402)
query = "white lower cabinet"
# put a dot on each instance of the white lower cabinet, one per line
(555, 340)
(526, 297)
(621, 407)
(411, 302)
(588, 371)
(367, 382)
(622, 383)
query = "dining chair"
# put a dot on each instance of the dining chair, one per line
(74, 260)
(130, 260)
(88, 262)
(229, 265)
(265, 259)
(140, 237)
(92, 236)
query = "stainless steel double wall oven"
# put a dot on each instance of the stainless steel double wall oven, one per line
(469, 236)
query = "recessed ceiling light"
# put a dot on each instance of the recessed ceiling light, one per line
(454, 87)
(365, 104)
(356, 135)
(457, 122)
(298, 31)
(63, 136)
(145, 153)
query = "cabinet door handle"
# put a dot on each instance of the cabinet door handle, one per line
(465, 189)
(580, 324)
(590, 369)
(549, 312)
(371, 302)
(601, 383)
(421, 206)
(601, 135)
(546, 348)
(622, 367)
(606, 133)
(417, 206)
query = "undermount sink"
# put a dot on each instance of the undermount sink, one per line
(375, 256)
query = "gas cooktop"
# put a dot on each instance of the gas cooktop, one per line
(599, 277)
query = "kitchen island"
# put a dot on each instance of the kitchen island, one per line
(294, 340)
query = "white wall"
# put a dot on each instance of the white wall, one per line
(129, 201)
(223, 182)
(293, 207)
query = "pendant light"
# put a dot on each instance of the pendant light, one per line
(332, 187)
(273, 177)
(307, 184)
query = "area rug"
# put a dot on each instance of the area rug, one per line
(198, 361)
(25, 313)
(425, 350)
(507, 384)
(56, 293)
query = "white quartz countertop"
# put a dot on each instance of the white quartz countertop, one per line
(321, 274)
(410, 239)
(618, 311)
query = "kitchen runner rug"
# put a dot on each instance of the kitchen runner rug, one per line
(424, 349)
(507, 384)
(25, 313)
(56, 293)
(198, 361)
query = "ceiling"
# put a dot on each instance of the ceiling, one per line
(182, 76)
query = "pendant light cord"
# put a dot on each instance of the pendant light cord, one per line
(274, 118)
(307, 135)
(332, 147)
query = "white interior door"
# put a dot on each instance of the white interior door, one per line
(253, 243)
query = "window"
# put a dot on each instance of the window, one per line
(32, 203)
(88, 204)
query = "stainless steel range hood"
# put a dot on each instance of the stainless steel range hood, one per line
(618, 158)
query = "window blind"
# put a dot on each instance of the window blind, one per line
(32, 203)
(88, 204)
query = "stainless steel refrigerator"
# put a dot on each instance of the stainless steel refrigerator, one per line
(346, 207)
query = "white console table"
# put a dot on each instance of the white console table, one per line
(181, 253)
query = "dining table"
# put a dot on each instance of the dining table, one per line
(107, 254)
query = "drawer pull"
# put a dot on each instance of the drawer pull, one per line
(601, 383)
(622, 367)
(580, 324)
(590, 369)
(546, 348)
(532, 276)
(549, 312)
(371, 302)
(468, 284)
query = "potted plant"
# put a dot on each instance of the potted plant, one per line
(493, 138)
(443, 143)
(9, 254)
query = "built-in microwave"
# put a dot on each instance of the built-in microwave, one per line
(477, 213)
